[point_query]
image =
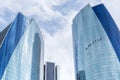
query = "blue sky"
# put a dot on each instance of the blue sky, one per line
(54, 18)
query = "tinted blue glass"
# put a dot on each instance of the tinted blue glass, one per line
(13, 36)
(81, 75)
(26, 61)
(36, 57)
(93, 52)
(109, 26)
(50, 71)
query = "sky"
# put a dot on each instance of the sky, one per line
(54, 18)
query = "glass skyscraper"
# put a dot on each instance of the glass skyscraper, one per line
(51, 71)
(94, 54)
(21, 50)
(109, 26)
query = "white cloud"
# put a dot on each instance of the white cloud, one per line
(39, 9)
(2, 21)
(42, 11)
(58, 47)
(91, 2)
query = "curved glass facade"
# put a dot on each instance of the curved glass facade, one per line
(109, 26)
(95, 58)
(11, 40)
(24, 58)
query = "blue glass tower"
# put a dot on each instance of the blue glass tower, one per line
(51, 71)
(109, 26)
(95, 57)
(21, 51)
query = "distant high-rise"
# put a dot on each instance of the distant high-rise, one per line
(51, 71)
(21, 51)
(109, 26)
(95, 57)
